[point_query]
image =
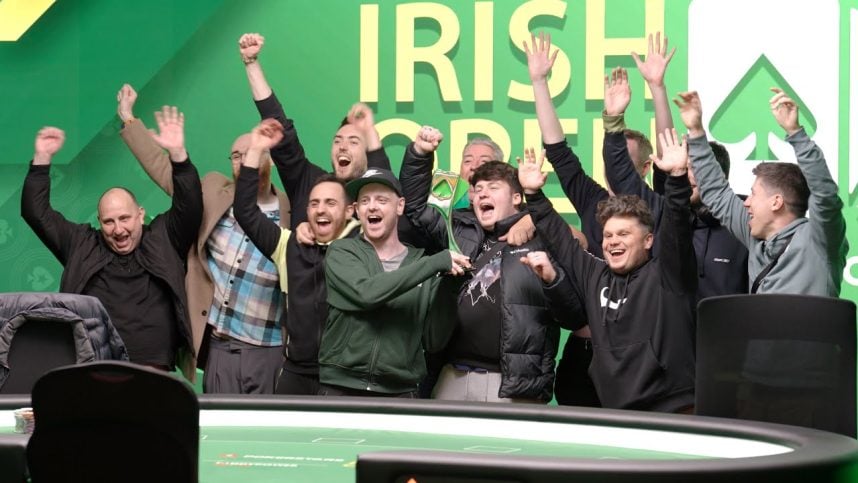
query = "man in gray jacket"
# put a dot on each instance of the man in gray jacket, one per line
(789, 252)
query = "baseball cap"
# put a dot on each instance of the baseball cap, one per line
(373, 175)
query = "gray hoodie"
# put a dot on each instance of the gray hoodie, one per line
(813, 262)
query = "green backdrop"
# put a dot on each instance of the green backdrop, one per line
(454, 64)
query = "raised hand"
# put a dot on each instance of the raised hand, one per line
(126, 97)
(266, 134)
(249, 46)
(49, 140)
(653, 68)
(674, 153)
(541, 266)
(540, 60)
(171, 132)
(361, 116)
(785, 111)
(691, 112)
(618, 93)
(427, 140)
(530, 175)
(460, 263)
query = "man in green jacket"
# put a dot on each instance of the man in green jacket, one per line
(380, 294)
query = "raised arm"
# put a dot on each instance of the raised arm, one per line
(263, 232)
(824, 205)
(678, 262)
(619, 167)
(540, 60)
(361, 116)
(186, 212)
(49, 225)
(249, 46)
(715, 191)
(552, 229)
(151, 157)
(416, 178)
(581, 190)
(296, 172)
(652, 70)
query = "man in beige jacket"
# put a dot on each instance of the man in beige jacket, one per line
(234, 296)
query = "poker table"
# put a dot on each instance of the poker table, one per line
(260, 439)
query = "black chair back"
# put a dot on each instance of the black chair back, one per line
(113, 421)
(786, 359)
(38, 347)
(40, 331)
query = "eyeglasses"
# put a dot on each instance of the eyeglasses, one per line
(237, 156)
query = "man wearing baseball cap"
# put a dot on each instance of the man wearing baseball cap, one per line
(380, 294)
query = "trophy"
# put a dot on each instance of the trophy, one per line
(448, 192)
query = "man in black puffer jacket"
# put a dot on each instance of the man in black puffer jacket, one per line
(504, 339)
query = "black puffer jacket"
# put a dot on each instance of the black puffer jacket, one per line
(94, 335)
(530, 325)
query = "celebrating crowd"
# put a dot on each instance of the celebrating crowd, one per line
(345, 283)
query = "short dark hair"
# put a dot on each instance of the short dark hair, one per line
(644, 146)
(722, 156)
(344, 122)
(630, 206)
(787, 180)
(497, 171)
(330, 178)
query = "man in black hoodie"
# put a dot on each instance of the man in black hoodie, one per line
(641, 309)
(329, 213)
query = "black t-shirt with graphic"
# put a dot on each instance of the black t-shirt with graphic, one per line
(476, 341)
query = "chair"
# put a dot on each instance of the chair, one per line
(778, 358)
(113, 421)
(42, 331)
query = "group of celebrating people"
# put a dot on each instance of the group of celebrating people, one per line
(346, 284)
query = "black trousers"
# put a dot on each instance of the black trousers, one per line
(573, 386)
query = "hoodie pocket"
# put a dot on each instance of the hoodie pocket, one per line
(627, 377)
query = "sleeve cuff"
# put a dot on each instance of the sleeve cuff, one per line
(535, 197)
(180, 167)
(560, 276)
(614, 123)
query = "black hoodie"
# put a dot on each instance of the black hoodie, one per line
(642, 322)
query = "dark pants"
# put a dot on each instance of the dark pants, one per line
(235, 367)
(573, 386)
(328, 390)
(297, 383)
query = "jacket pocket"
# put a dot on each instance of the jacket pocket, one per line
(627, 377)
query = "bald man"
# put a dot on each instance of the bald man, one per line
(234, 296)
(136, 270)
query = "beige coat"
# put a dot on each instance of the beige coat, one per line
(218, 195)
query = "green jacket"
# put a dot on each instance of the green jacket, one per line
(376, 319)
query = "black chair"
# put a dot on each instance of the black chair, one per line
(42, 331)
(786, 359)
(113, 421)
(38, 347)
